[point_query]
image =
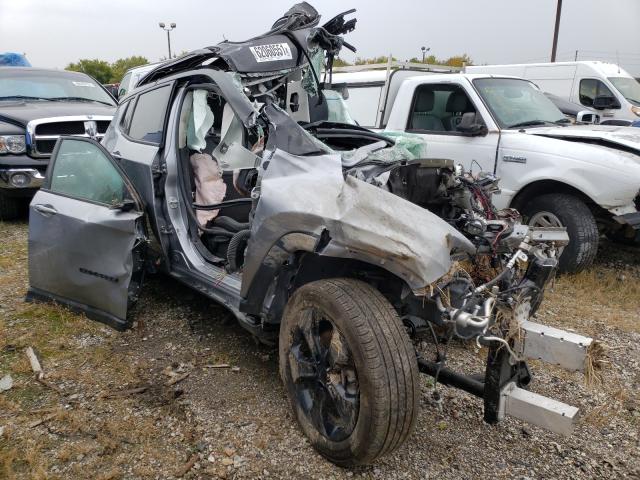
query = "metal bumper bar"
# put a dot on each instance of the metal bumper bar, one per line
(631, 219)
(500, 385)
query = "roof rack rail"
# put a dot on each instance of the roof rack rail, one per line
(399, 66)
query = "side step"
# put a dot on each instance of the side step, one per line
(552, 345)
(537, 409)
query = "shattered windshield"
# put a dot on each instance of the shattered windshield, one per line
(518, 103)
(51, 86)
(628, 87)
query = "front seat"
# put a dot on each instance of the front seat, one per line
(457, 105)
(422, 118)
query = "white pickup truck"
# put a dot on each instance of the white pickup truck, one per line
(583, 177)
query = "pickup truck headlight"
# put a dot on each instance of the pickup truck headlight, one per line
(635, 110)
(12, 144)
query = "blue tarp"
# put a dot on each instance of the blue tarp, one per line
(13, 60)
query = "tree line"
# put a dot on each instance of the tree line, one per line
(455, 61)
(105, 72)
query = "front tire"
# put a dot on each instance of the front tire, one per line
(560, 209)
(349, 369)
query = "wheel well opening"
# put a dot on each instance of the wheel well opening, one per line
(543, 187)
(313, 266)
(309, 267)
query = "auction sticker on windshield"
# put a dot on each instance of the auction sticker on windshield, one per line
(271, 52)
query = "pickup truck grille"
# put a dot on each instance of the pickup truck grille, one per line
(43, 133)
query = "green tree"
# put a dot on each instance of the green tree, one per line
(120, 66)
(455, 61)
(98, 69)
(368, 61)
(338, 62)
(458, 61)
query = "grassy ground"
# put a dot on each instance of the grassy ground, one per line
(75, 424)
(105, 410)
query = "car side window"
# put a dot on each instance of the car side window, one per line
(124, 85)
(147, 122)
(439, 109)
(125, 118)
(82, 170)
(591, 88)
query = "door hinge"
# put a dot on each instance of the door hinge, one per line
(158, 170)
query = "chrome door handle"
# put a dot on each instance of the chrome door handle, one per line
(45, 209)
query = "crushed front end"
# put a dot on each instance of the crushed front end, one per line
(489, 296)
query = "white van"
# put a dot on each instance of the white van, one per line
(603, 86)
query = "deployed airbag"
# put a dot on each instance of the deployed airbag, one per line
(200, 121)
(210, 188)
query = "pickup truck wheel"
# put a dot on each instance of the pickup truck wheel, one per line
(349, 369)
(9, 207)
(563, 210)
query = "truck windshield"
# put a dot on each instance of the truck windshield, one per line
(518, 103)
(628, 87)
(39, 85)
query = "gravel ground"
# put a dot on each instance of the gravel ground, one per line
(236, 422)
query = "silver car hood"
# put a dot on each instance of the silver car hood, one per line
(608, 135)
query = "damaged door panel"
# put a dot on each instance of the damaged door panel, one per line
(86, 244)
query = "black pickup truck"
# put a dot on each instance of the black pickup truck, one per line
(36, 107)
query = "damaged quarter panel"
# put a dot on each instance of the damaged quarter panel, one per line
(310, 194)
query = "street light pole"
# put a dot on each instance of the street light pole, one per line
(424, 51)
(168, 28)
(555, 32)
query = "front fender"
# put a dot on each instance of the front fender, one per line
(355, 220)
(609, 177)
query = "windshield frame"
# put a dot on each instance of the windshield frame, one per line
(613, 82)
(57, 82)
(562, 120)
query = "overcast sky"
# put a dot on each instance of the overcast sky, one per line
(55, 32)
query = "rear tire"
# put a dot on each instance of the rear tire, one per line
(9, 207)
(581, 226)
(383, 359)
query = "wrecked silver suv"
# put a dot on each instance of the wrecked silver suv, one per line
(222, 170)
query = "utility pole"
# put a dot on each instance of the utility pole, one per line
(168, 28)
(576, 57)
(555, 32)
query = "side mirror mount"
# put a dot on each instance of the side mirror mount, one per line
(604, 102)
(470, 127)
(588, 117)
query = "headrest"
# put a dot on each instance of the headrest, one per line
(458, 102)
(424, 102)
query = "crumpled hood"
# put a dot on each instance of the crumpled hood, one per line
(608, 135)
